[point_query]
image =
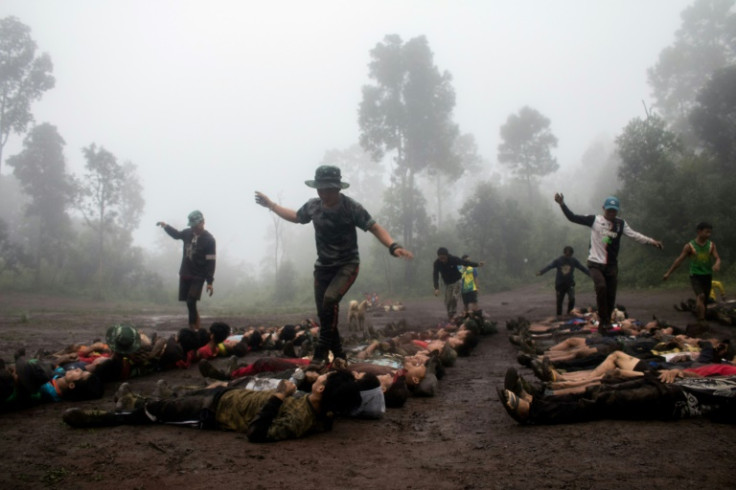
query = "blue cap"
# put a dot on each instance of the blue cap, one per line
(611, 202)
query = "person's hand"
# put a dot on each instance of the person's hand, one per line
(539, 273)
(161, 224)
(481, 263)
(666, 276)
(210, 289)
(436, 292)
(669, 375)
(264, 200)
(716, 267)
(403, 253)
(657, 244)
(559, 198)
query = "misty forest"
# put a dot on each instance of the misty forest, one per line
(412, 166)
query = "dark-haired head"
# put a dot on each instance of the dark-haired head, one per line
(704, 225)
(340, 394)
(188, 339)
(468, 344)
(89, 388)
(397, 393)
(219, 331)
(255, 340)
(173, 353)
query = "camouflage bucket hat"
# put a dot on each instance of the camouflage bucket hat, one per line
(327, 177)
(123, 339)
(195, 218)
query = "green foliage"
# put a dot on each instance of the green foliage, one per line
(714, 117)
(24, 77)
(704, 43)
(526, 147)
(408, 111)
(41, 169)
(111, 203)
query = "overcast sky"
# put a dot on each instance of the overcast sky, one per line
(212, 100)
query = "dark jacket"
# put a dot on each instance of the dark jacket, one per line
(449, 270)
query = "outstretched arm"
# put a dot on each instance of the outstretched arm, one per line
(686, 250)
(282, 212)
(393, 247)
(582, 268)
(572, 217)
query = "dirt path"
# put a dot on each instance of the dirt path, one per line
(460, 439)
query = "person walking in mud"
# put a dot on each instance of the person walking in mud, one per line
(335, 218)
(704, 260)
(605, 241)
(197, 263)
(565, 278)
(448, 267)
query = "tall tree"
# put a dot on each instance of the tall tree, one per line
(649, 155)
(41, 169)
(714, 116)
(408, 112)
(526, 146)
(705, 42)
(24, 77)
(364, 174)
(110, 200)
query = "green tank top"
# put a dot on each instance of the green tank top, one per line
(700, 263)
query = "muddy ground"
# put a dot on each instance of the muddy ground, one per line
(460, 439)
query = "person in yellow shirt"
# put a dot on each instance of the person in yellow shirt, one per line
(716, 286)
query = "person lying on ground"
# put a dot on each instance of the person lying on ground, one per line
(619, 364)
(645, 397)
(264, 416)
(33, 381)
(215, 346)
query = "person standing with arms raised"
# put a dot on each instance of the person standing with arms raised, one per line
(335, 218)
(605, 241)
(197, 263)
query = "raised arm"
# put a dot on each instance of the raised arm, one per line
(282, 212)
(572, 217)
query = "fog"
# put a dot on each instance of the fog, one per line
(213, 100)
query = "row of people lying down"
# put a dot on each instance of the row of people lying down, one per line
(280, 398)
(658, 374)
(655, 341)
(129, 353)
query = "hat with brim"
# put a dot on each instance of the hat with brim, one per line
(327, 177)
(123, 339)
(195, 218)
(612, 202)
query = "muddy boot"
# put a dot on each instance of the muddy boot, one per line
(127, 401)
